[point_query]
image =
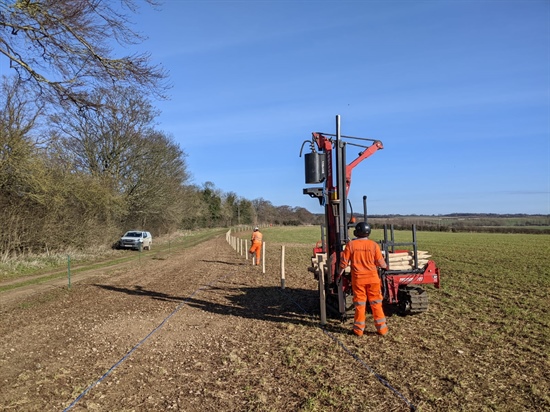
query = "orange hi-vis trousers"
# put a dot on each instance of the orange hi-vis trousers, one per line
(257, 249)
(371, 292)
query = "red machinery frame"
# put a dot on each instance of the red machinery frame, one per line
(335, 175)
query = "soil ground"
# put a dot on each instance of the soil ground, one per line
(201, 329)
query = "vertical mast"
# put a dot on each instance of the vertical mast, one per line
(341, 186)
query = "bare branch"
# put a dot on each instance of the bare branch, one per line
(63, 46)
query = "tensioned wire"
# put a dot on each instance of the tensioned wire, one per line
(330, 335)
(161, 324)
(383, 381)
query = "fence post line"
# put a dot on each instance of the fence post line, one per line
(283, 267)
(246, 247)
(263, 257)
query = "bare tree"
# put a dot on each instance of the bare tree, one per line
(18, 119)
(119, 145)
(23, 177)
(305, 217)
(156, 199)
(107, 142)
(62, 46)
(264, 209)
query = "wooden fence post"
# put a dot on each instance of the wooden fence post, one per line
(283, 267)
(322, 297)
(263, 257)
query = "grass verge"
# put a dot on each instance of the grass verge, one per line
(43, 269)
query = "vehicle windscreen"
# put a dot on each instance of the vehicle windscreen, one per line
(132, 234)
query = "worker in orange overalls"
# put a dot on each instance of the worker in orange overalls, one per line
(364, 257)
(256, 247)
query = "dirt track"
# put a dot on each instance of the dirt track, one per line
(199, 330)
(202, 330)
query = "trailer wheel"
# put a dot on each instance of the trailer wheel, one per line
(412, 300)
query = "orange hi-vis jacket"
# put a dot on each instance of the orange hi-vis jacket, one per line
(256, 237)
(364, 257)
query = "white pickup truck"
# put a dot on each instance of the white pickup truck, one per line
(136, 239)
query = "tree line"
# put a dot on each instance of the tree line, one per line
(81, 157)
(81, 176)
(469, 222)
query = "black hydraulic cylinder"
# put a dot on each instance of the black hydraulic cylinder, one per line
(315, 167)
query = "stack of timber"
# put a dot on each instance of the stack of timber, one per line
(405, 260)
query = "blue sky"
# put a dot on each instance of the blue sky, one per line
(457, 91)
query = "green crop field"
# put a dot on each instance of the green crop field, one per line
(511, 269)
(486, 334)
(507, 274)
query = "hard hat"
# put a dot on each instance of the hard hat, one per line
(256, 228)
(362, 229)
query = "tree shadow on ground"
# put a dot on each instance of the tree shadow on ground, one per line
(140, 291)
(270, 303)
